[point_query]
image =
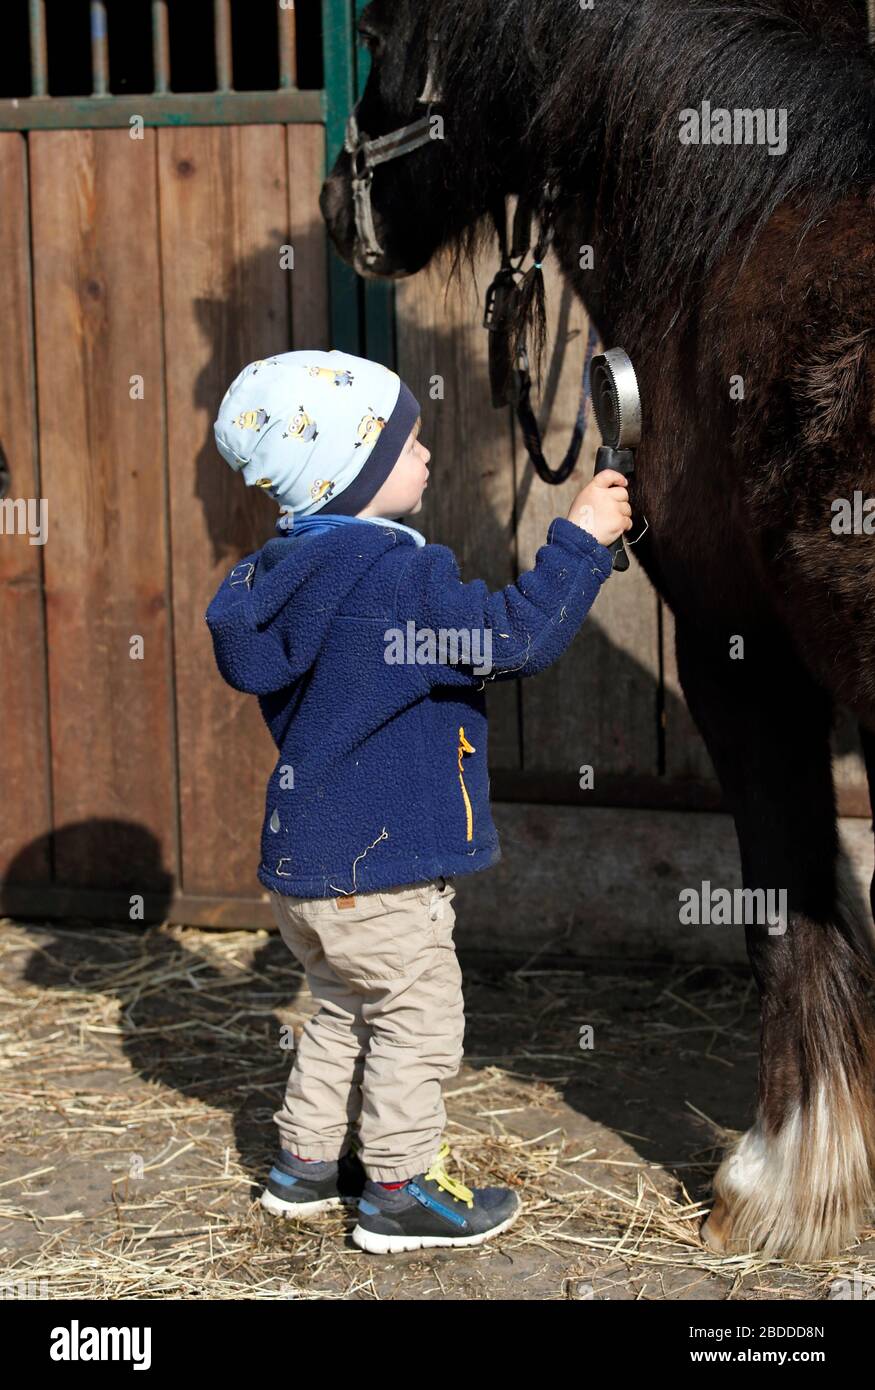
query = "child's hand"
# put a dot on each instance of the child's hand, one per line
(602, 507)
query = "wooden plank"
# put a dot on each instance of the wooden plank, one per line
(599, 882)
(97, 314)
(469, 502)
(162, 109)
(311, 326)
(25, 808)
(617, 898)
(224, 219)
(645, 791)
(640, 790)
(94, 905)
(596, 707)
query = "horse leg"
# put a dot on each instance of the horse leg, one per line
(798, 1183)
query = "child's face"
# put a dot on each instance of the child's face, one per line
(401, 493)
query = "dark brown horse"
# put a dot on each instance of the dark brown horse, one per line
(738, 275)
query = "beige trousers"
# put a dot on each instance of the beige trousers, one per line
(383, 969)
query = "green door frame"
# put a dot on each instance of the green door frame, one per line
(362, 311)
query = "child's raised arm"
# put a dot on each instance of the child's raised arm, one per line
(523, 628)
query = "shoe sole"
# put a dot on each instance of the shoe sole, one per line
(289, 1210)
(376, 1244)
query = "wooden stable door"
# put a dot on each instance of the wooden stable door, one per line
(139, 276)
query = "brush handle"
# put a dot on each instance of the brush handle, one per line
(622, 461)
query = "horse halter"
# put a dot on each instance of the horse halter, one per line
(511, 289)
(366, 154)
(510, 379)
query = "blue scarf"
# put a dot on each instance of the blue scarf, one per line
(311, 525)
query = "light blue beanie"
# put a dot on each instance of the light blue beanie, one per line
(319, 431)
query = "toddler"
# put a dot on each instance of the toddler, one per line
(370, 659)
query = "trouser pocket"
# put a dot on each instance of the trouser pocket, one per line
(383, 937)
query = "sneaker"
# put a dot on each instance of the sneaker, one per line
(431, 1209)
(297, 1188)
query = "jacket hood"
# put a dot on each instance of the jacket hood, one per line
(270, 617)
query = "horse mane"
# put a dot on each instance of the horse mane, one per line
(603, 89)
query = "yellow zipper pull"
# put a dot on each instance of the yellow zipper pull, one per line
(466, 747)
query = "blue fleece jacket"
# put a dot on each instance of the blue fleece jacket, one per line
(381, 778)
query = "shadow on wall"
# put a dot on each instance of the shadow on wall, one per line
(248, 317)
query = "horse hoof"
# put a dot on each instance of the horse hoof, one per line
(715, 1229)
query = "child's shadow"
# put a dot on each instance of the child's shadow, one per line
(202, 1023)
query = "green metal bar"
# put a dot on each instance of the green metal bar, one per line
(160, 47)
(339, 64)
(175, 108)
(99, 50)
(222, 37)
(379, 306)
(287, 36)
(39, 62)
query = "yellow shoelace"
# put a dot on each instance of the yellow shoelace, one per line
(438, 1174)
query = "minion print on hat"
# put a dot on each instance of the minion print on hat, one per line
(315, 430)
(252, 419)
(343, 378)
(369, 429)
(301, 427)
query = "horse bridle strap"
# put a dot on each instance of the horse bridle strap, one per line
(529, 424)
(509, 376)
(365, 156)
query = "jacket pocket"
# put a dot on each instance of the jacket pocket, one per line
(465, 747)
